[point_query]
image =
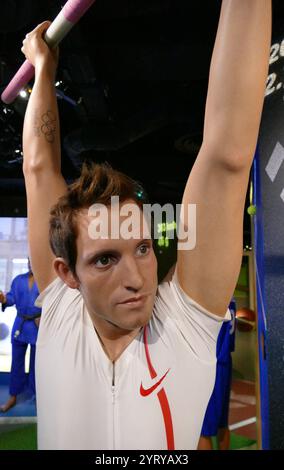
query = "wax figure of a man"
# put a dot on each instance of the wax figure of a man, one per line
(121, 362)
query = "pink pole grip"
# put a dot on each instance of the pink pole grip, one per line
(22, 77)
(73, 10)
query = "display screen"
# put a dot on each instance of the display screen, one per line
(275, 80)
(13, 261)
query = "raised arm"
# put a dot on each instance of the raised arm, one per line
(41, 148)
(218, 181)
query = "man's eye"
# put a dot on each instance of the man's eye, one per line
(103, 261)
(143, 249)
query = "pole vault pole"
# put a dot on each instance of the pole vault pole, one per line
(70, 14)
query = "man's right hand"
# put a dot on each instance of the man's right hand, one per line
(37, 51)
(2, 297)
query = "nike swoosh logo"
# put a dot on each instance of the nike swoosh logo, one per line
(147, 391)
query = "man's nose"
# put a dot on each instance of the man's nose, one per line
(132, 275)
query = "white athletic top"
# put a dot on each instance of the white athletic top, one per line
(162, 381)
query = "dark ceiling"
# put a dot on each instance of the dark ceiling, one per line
(134, 77)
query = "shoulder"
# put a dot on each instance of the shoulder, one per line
(61, 311)
(19, 279)
(54, 293)
(191, 319)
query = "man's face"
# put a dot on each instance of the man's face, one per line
(118, 277)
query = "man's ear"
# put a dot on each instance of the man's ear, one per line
(64, 272)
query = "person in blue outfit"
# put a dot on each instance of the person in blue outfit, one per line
(22, 294)
(217, 413)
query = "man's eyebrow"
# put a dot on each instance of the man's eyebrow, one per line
(145, 240)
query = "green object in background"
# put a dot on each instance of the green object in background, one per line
(251, 210)
(243, 281)
(237, 442)
(24, 438)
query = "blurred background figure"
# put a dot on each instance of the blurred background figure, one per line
(216, 417)
(22, 294)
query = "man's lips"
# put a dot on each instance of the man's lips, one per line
(135, 301)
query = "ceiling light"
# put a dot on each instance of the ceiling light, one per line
(23, 94)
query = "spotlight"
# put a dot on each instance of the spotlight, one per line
(23, 94)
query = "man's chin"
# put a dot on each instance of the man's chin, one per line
(142, 321)
(133, 324)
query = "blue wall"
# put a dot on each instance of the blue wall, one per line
(269, 238)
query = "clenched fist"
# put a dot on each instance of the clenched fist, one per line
(37, 51)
